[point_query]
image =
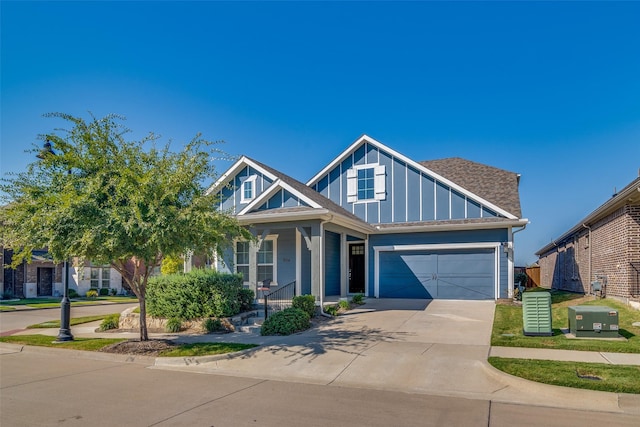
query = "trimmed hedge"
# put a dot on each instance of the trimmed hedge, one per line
(197, 294)
(286, 322)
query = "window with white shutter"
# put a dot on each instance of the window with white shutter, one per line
(366, 183)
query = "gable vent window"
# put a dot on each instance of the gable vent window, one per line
(248, 191)
(366, 183)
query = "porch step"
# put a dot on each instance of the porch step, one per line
(249, 329)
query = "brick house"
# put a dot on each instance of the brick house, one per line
(43, 278)
(604, 247)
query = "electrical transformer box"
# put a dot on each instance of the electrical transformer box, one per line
(593, 321)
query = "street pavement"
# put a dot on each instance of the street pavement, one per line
(416, 348)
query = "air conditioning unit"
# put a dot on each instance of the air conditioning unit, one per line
(593, 321)
(536, 314)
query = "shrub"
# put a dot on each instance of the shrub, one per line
(198, 294)
(92, 293)
(112, 321)
(358, 299)
(173, 325)
(306, 303)
(212, 325)
(113, 292)
(72, 293)
(246, 299)
(331, 309)
(104, 292)
(286, 322)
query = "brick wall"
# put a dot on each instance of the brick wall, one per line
(615, 254)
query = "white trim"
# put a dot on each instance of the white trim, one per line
(277, 184)
(418, 166)
(233, 171)
(253, 180)
(510, 261)
(437, 247)
(274, 264)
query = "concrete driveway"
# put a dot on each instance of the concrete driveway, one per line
(392, 344)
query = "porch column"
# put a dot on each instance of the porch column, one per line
(316, 261)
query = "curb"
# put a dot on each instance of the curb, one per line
(95, 355)
(197, 360)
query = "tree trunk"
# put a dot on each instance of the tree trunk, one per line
(144, 336)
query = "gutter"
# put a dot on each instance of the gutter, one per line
(451, 227)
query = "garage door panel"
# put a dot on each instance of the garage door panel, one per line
(456, 274)
(407, 275)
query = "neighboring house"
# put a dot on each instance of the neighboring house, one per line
(42, 277)
(376, 222)
(603, 247)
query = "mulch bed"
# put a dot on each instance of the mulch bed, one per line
(140, 348)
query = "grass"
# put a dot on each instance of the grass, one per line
(6, 308)
(95, 344)
(612, 378)
(73, 321)
(55, 302)
(507, 326)
(205, 349)
(86, 344)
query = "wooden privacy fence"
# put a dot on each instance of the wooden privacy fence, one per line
(533, 273)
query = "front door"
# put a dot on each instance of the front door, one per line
(45, 281)
(356, 268)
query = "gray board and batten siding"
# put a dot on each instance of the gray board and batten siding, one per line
(411, 195)
(231, 194)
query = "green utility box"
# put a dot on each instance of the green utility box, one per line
(593, 321)
(536, 314)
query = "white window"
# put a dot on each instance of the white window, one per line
(100, 277)
(242, 259)
(248, 190)
(366, 183)
(266, 260)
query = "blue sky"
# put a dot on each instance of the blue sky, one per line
(548, 90)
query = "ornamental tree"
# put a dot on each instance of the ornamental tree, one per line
(103, 198)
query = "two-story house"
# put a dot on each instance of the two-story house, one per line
(376, 222)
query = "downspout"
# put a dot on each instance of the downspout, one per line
(590, 246)
(510, 290)
(322, 223)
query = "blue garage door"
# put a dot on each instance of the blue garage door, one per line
(457, 274)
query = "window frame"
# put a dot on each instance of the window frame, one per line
(250, 180)
(378, 181)
(247, 264)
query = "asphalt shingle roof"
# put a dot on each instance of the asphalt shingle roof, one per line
(497, 186)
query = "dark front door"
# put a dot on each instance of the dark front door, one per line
(356, 268)
(45, 281)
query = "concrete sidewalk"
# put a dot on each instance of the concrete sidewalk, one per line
(566, 355)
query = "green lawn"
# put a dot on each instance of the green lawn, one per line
(6, 308)
(55, 302)
(592, 376)
(73, 321)
(95, 344)
(87, 344)
(507, 326)
(205, 349)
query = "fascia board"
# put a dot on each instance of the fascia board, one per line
(338, 159)
(321, 214)
(262, 198)
(452, 227)
(412, 163)
(277, 184)
(234, 169)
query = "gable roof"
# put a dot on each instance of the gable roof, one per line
(299, 189)
(510, 196)
(498, 186)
